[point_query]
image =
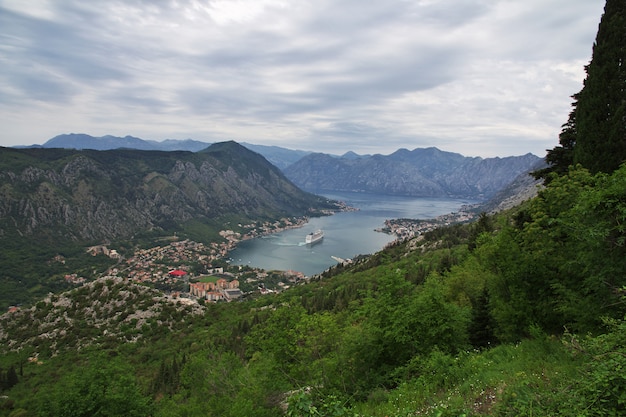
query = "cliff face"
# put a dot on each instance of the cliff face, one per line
(95, 195)
(421, 173)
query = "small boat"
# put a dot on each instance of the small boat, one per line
(314, 237)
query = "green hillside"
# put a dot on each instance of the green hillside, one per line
(518, 314)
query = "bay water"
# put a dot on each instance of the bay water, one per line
(346, 234)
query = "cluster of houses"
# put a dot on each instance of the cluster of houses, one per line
(149, 265)
(405, 229)
(219, 290)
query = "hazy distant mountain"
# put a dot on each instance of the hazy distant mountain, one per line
(83, 141)
(179, 145)
(352, 155)
(89, 195)
(280, 157)
(427, 172)
(108, 142)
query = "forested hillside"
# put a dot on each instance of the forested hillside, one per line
(91, 196)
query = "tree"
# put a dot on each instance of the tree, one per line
(11, 377)
(601, 111)
(595, 134)
(103, 387)
(561, 157)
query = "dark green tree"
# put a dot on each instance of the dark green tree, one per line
(483, 225)
(595, 134)
(601, 110)
(11, 377)
(561, 157)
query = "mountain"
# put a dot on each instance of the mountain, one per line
(280, 157)
(423, 172)
(108, 142)
(179, 145)
(83, 141)
(105, 307)
(352, 155)
(522, 188)
(89, 195)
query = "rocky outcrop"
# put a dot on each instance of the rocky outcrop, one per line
(105, 309)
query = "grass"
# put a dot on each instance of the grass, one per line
(522, 379)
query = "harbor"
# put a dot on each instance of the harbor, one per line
(345, 235)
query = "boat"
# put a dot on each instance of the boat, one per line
(314, 237)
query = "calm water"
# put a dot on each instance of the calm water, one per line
(345, 234)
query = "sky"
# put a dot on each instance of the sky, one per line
(479, 77)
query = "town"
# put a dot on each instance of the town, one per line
(405, 229)
(201, 272)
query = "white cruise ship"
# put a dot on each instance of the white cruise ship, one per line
(314, 237)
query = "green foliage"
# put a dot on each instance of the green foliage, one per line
(601, 391)
(601, 132)
(564, 265)
(8, 378)
(101, 387)
(301, 404)
(32, 269)
(595, 134)
(167, 380)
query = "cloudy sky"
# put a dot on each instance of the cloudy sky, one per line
(479, 77)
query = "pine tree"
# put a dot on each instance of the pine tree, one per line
(601, 111)
(561, 157)
(11, 379)
(595, 134)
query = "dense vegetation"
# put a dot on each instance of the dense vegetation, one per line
(30, 269)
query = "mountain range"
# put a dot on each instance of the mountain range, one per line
(280, 157)
(422, 172)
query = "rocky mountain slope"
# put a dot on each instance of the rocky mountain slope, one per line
(426, 172)
(98, 195)
(522, 188)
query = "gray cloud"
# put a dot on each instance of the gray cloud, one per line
(473, 76)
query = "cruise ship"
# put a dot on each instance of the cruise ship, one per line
(314, 237)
